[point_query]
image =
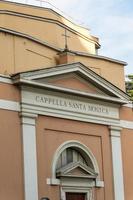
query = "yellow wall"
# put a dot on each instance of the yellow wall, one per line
(46, 26)
(111, 71)
(44, 14)
(20, 54)
(38, 27)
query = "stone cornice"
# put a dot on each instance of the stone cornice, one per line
(30, 38)
(20, 34)
(91, 38)
(32, 76)
(70, 91)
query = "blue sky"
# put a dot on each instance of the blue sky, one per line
(110, 20)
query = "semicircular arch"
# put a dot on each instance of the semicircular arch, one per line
(79, 146)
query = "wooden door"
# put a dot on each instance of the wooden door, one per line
(75, 196)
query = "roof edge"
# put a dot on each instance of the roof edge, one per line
(59, 49)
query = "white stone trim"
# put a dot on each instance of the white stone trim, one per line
(9, 105)
(99, 183)
(69, 115)
(73, 67)
(53, 181)
(85, 190)
(110, 99)
(117, 163)
(58, 106)
(126, 124)
(78, 182)
(4, 79)
(74, 143)
(29, 157)
(129, 105)
(69, 104)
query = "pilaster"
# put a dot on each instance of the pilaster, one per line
(29, 156)
(115, 134)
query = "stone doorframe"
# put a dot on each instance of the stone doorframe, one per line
(71, 184)
(87, 191)
(77, 144)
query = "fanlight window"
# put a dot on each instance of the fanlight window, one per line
(69, 155)
(73, 162)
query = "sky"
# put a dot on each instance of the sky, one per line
(109, 20)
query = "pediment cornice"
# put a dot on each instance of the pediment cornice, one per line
(76, 169)
(115, 95)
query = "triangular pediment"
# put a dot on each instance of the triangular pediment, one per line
(75, 79)
(76, 169)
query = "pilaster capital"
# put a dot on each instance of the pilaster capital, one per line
(115, 128)
(115, 131)
(28, 118)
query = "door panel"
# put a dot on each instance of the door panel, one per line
(75, 196)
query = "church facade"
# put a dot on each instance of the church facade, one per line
(66, 121)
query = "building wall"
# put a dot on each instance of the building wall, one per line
(11, 163)
(56, 130)
(12, 93)
(30, 52)
(44, 13)
(126, 114)
(23, 19)
(52, 132)
(23, 54)
(127, 143)
(35, 41)
(106, 69)
(11, 170)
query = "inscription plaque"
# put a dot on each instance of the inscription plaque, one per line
(70, 107)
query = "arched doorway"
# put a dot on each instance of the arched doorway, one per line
(77, 171)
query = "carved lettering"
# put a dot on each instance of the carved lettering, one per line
(71, 104)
